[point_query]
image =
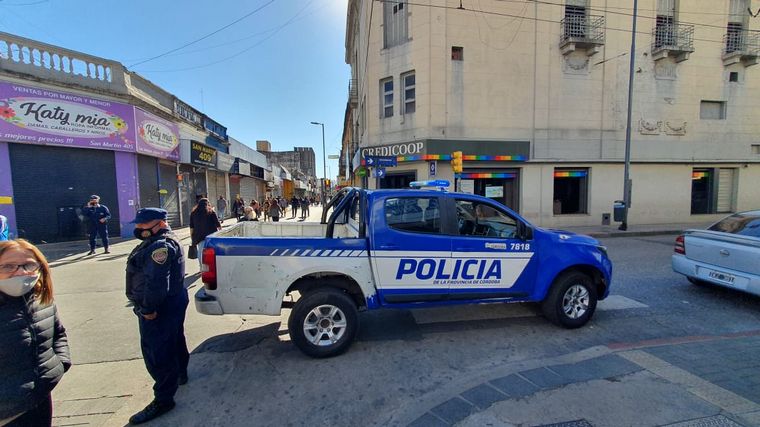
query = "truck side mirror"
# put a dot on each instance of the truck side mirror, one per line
(525, 231)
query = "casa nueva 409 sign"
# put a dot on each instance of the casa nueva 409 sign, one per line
(40, 116)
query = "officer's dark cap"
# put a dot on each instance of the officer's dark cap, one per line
(94, 197)
(149, 214)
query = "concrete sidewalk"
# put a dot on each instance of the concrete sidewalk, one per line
(690, 381)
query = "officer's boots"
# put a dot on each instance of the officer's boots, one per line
(154, 410)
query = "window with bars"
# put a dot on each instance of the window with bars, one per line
(395, 23)
(410, 97)
(386, 98)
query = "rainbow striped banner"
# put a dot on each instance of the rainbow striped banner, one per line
(570, 174)
(699, 175)
(420, 157)
(488, 175)
(483, 158)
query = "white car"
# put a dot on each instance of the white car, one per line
(726, 254)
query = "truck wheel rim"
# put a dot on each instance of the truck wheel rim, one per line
(575, 302)
(324, 325)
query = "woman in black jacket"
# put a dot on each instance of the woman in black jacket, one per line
(34, 351)
(203, 221)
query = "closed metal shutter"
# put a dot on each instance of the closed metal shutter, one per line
(726, 190)
(170, 200)
(147, 176)
(50, 186)
(248, 190)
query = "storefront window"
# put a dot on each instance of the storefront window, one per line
(712, 190)
(570, 191)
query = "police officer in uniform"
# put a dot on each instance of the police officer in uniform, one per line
(98, 216)
(155, 285)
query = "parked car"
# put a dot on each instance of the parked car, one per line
(726, 254)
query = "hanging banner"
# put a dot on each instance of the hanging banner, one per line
(41, 116)
(156, 137)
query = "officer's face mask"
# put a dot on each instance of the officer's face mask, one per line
(144, 233)
(17, 286)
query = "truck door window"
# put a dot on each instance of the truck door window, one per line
(413, 214)
(482, 220)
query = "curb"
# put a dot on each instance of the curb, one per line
(632, 233)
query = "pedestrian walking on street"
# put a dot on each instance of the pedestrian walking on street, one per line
(221, 208)
(294, 203)
(4, 228)
(155, 285)
(34, 350)
(274, 211)
(256, 208)
(203, 221)
(237, 206)
(304, 207)
(97, 224)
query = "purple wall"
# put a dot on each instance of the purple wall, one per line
(126, 188)
(6, 187)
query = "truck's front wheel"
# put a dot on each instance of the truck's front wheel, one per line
(323, 323)
(571, 300)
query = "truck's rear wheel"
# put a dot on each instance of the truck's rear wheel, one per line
(571, 300)
(323, 323)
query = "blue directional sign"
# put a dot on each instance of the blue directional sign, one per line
(433, 165)
(374, 161)
(380, 172)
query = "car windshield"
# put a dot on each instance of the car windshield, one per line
(746, 224)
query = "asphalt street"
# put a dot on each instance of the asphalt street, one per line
(649, 344)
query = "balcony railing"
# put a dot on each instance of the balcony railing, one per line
(672, 40)
(582, 30)
(353, 93)
(741, 46)
(30, 57)
(741, 42)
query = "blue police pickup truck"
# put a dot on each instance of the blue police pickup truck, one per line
(398, 249)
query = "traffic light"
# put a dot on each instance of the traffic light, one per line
(327, 183)
(456, 161)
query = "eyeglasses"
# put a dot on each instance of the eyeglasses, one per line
(29, 267)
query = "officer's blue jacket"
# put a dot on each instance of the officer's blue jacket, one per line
(155, 272)
(96, 213)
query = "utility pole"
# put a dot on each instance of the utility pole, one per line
(627, 172)
(324, 162)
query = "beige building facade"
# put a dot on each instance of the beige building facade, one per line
(534, 93)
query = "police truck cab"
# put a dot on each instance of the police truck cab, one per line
(398, 249)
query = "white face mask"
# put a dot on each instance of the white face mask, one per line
(17, 286)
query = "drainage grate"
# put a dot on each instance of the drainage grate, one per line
(576, 423)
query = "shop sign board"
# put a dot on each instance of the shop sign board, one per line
(187, 112)
(202, 155)
(493, 191)
(224, 162)
(41, 116)
(467, 186)
(156, 137)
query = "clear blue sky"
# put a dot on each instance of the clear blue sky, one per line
(289, 69)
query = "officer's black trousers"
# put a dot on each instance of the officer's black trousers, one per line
(163, 346)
